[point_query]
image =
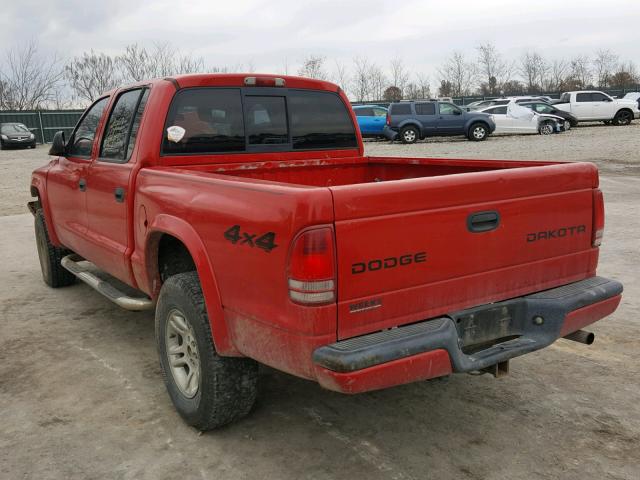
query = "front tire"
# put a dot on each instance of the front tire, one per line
(478, 132)
(207, 390)
(547, 128)
(53, 273)
(409, 134)
(622, 118)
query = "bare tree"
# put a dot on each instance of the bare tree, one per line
(625, 76)
(29, 81)
(493, 70)
(361, 80)
(377, 81)
(604, 65)
(340, 75)
(92, 74)
(558, 71)
(399, 75)
(534, 70)
(313, 67)
(135, 63)
(460, 73)
(580, 72)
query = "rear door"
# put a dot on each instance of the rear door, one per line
(413, 249)
(108, 197)
(365, 118)
(426, 115)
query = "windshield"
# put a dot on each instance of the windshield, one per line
(10, 128)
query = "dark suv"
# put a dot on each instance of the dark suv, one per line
(411, 121)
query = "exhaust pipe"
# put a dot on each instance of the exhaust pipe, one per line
(581, 336)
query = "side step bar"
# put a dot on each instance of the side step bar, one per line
(72, 263)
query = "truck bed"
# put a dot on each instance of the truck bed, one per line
(365, 170)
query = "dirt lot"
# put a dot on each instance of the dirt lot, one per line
(81, 394)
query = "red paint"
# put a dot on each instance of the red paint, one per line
(587, 315)
(418, 367)
(374, 208)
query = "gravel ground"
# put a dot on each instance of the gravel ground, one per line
(81, 394)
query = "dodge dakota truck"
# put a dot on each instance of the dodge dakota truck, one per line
(243, 210)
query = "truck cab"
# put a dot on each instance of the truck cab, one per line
(592, 105)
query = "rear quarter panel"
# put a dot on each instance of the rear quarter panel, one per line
(251, 283)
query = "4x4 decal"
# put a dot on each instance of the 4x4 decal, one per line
(265, 242)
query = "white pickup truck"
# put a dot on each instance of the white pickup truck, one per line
(591, 106)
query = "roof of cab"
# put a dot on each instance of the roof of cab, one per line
(237, 80)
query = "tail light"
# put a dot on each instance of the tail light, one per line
(598, 218)
(388, 119)
(312, 268)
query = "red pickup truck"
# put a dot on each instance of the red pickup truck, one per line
(243, 210)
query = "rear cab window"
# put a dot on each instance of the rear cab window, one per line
(232, 120)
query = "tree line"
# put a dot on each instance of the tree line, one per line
(31, 80)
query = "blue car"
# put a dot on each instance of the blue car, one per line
(371, 119)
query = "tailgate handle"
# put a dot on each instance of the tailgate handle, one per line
(483, 221)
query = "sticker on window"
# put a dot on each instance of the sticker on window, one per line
(175, 133)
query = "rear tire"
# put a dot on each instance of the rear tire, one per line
(409, 134)
(622, 118)
(207, 390)
(53, 273)
(478, 132)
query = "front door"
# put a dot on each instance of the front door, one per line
(451, 119)
(109, 195)
(67, 180)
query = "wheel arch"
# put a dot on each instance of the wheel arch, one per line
(473, 121)
(168, 236)
(38, 190)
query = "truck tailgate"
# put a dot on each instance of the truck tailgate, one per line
(417, 248)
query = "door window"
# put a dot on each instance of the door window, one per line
(449, 109)
(364, 112)
(82, 138)
(497, 111)
(122, 126)
(425, 109)
(583, 97)
(599, 97)
(379, 112)
(542, 108)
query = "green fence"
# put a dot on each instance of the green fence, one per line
(44, 123)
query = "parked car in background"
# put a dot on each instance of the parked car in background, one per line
(633, 96)
(514, 118)
(371, 119)
(502, 101)
(545, 108)
(412, 121)
(592, 106)
(16, 135)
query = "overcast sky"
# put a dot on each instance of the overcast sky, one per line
(272, 34)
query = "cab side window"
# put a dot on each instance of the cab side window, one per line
(81, 142)
(425, 109)
(583, 97)
(122, 127)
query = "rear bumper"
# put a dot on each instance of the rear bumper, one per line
(464, 341)
(389, 133)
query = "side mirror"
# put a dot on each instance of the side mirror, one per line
(58, 145)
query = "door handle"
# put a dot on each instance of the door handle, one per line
(82, 184)
(118, 193)
(483, 221)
